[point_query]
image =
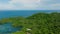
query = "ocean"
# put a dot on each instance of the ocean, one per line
(24, 13)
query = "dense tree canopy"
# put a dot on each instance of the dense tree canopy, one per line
(40, 23)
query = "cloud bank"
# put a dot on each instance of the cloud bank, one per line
(29, 5)
(20, 4)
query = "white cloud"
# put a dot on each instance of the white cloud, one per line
(55, 6)
(20, 4)
(30, 5)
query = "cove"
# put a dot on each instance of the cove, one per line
(8, 28)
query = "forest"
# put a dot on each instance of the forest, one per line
(39, 23)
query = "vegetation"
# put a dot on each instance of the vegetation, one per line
(40, 23)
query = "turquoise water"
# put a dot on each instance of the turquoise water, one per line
(24, 13)
(7, 28)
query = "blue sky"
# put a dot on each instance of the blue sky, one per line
(29, 4)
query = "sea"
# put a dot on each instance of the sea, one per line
(23, 13)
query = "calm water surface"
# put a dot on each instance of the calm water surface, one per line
(7, 28)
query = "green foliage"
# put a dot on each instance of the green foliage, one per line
(40, 23)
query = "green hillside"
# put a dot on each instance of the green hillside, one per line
(39, 23)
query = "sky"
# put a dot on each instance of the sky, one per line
(29, 4)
